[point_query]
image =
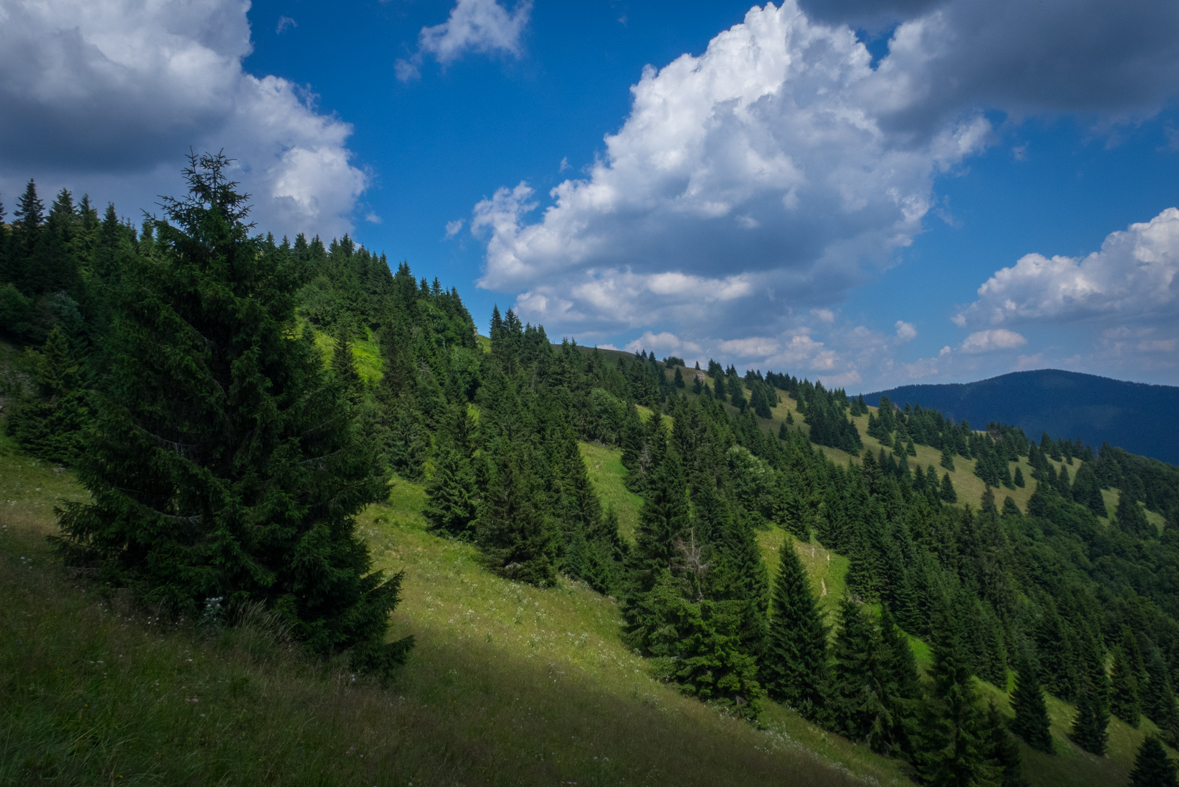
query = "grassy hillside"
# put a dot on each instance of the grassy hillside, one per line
(507, 685)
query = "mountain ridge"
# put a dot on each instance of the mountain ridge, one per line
(1140, 417)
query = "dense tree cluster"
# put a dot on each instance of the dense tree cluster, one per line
(233, 401)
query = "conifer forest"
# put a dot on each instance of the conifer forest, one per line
(238, 413)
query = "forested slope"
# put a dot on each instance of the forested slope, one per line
(772, 548)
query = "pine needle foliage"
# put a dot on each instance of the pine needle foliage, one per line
(1152, 766)
(224, 464)
(1031, 709)
(794, 668)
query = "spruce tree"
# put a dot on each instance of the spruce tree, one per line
(696, 645)
(956, 749)
(1123, 690)
(1131, 519)
(739, 576)
(856, 702)
(902, 690)
(26, 262)
(1031, 710)
(50, 426)
(794, 668)
(1089, 725)
(344, 364)
(224, 464)
(1152, 766)
(1002, 750)
(663, 522)
(947, 458)
(511, 532)
(948, 495)
(452, 495)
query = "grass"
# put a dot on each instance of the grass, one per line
(607, 475)
(826, 570)
(507, 685)
(366, 353)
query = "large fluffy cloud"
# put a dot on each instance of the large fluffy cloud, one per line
(755, 183)
(758, 170)
(1134, 277)
(107, 97)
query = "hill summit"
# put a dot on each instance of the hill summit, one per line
(1140, 418)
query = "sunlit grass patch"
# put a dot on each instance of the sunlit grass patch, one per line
(608, 476)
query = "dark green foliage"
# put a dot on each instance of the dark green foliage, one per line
(794, 667)
(1123, 690)
(452, 494)
(1131, 519)
(947, 493)
(901, 691)
(1018, 480)
(224, 464)
(857, 701)
(50, 425)
(1089, 729)
(696, 645)
(511, 531)
(1152, 766)
(956, 747)
(663, 523)
(344, 365)
(1031, 710)
(1002, 750)
(737, 576)
(679, 381)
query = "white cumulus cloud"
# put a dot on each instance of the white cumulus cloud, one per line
(108, 97)
(758, 167)
(1132, 276)
(996, 339)
(762, 179)
(482, 26)
(905, 331)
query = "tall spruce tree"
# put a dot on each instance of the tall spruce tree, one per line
(663, 522)
(948, 495)
(511, 530)
(224, 463)
(856, 699)
(1123, 690)
(956, 749)
(794, 667)
(902, 690)
(1031, 710)
(1002, 749)
(452, 495)
(1152, 766)
(1089, 729)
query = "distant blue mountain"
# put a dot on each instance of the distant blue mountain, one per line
(1143, 419)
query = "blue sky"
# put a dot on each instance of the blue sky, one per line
(871, 194)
